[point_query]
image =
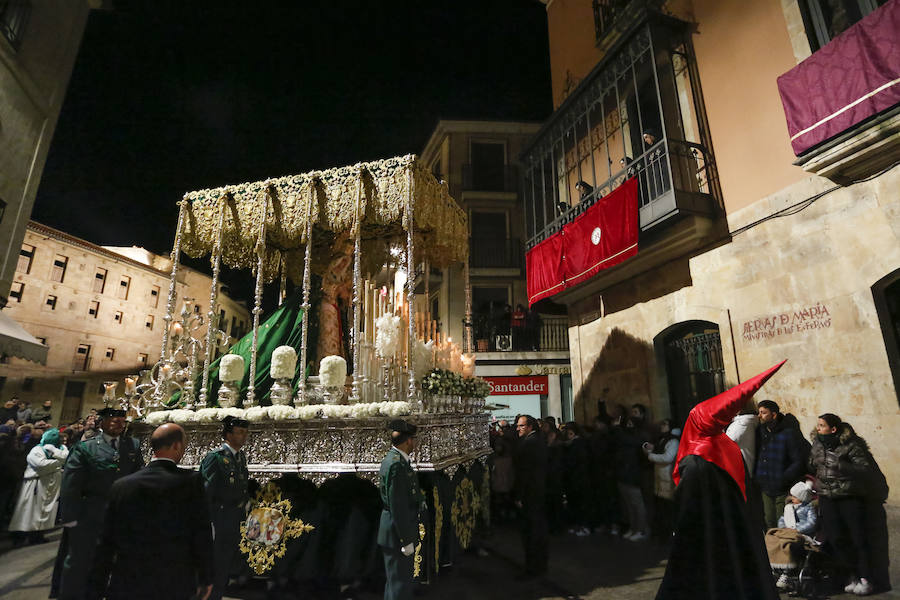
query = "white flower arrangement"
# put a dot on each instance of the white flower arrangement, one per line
(284, 362)
(255, 413)
(231, 368)
(394, 409)
(335, 411)
(157, 417)
(423, 358)
(281, 413)
(387, 335)
(233, 411)
(362, 410)
(181, 416)
(208, 415)
(308, 412)
(333, 371)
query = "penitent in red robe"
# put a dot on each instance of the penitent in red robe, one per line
(717, 548)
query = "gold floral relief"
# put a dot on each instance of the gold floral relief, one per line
(267, 528)
(438, 528)
(463, 511)
(417, 561)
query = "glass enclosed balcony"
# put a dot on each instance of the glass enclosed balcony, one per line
(640, 114)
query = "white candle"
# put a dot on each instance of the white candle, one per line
(177, 329)
(130, 384)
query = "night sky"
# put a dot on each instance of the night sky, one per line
(170, 96)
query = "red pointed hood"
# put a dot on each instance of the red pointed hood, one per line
(704, 431)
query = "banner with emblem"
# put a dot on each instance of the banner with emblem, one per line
(603, 236)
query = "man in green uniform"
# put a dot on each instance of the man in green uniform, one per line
(225, 478)
(398, 530)
(93, 466)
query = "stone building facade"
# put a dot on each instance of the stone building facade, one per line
(479, 160)
(789, 258)
(101, 311)
(39, 41)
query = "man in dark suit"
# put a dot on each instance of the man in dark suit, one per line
(157, 539)
(530, 463)
(225, 479)
(92, 468)
(398, 530)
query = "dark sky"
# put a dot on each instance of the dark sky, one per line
(169, 96)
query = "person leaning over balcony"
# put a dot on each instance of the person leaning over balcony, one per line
(781, 455)
(584, 190)
(656, 164)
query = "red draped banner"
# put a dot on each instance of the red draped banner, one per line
(856, 75)
(603, 236)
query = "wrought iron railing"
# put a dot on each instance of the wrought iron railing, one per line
(495, 253)
(490, 179)
(550, 334)
(638, 114)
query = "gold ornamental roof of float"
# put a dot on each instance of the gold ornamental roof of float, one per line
(439, 224)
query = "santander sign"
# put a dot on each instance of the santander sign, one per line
(509, 386)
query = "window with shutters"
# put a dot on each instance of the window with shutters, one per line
(100, 280)
(58, 271)
(26, 257)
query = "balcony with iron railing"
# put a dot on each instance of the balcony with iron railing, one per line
(490, 178)
(550, 334)
(638, 115)
(633, 116)
(495, 253)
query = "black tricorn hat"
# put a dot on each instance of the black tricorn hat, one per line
(401, 426)
(230, 422)
(109, 411)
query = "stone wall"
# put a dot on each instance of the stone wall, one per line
(795, 287)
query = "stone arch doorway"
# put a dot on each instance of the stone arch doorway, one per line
(886, 293)
(694, 367)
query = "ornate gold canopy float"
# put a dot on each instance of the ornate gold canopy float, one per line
(287, 227)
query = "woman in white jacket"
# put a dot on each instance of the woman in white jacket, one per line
(39, 497)
(662, 455)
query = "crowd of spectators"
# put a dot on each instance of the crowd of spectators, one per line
(612, 477)
(21, 429)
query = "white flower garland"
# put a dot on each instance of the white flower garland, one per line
(284, 362)
(208, 415)
(281, 413)
(233, 411)
(333, 371)
(308, 412)
(255, 413)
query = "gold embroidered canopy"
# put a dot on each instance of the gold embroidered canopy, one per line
(379, 192)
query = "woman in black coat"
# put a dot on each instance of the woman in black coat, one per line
(851, 490)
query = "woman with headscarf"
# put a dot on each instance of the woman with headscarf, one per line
(39, 497)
